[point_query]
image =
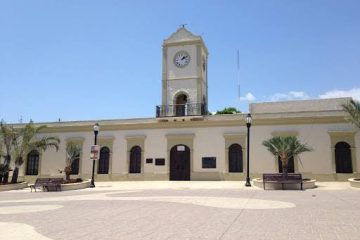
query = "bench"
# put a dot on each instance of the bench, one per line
(291, 178)
(47, 184)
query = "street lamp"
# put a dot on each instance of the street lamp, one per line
(248, 125)
(96, 131)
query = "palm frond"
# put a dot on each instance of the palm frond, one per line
(73, 151)
(286, 147)
(24, 140)
(353, 109)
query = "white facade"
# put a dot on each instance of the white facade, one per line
(319, 123)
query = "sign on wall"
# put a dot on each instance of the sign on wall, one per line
(95, 152)
(180, 148)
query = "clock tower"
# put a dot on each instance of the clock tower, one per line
(184, 76)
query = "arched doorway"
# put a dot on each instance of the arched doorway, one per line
(135, 160)
(180, 105)
(32, 164)
(235, 158)
(103, 167)
(180, 163)
(75, 165)
(343, 160)
(291, 165)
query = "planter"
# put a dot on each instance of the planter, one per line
(307, 184)
(16, 186)
(354, 182)
(75, 186)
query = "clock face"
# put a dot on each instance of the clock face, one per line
(181, 59)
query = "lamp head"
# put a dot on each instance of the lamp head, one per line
(248, 120)
(96, 128)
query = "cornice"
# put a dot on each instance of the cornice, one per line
(230, 120)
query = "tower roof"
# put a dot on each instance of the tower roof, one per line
(182, 35)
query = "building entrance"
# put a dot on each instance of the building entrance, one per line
(180, 163)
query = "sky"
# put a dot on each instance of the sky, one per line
(93, 60)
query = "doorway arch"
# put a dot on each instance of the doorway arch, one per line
(291, 165)
(135, 160)
(235, 158)
(180, 104)
(180, 163)
(343, 159)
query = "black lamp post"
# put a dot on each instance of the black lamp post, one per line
(248, 125)
(96, 131)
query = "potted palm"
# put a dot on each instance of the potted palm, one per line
(285, 148)
(25, 139)
(352, 108)
(73, 152)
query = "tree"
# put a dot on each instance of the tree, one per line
(227, 110)
(7, 137)
(353, 109)
(286, 148)
(25, 141)
(73, 151)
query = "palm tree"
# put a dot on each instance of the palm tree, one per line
(353, 109)
(7, 137)
(25, 141)
(73, 152)
(286, 148)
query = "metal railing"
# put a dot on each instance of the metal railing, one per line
(179, 110)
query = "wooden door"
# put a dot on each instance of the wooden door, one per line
(180, 163)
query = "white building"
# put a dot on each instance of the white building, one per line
(183, 142)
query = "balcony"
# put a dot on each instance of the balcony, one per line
(180, 110)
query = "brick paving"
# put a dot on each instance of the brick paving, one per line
(182, 210)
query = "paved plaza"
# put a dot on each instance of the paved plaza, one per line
(182, 210)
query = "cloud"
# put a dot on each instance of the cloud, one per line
(292, 95)
(354, 93)
(248, 97)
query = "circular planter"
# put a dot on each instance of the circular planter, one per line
(75, 186)
(16, 186)
(307, 184)
(354, 182)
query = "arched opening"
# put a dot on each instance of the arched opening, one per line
(103, 167)
(180, 163)
(235, 158)
(32, 164)
(343, 159)
(291, 165)
(75, 165)
(135, 160)
(180, 105)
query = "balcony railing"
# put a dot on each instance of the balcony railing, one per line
(180, 110)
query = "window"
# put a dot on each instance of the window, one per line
(135, 160)
(209, 162)
(104, 160)
(343, 161)
(75, 165)
(235, 158)
(32, 165)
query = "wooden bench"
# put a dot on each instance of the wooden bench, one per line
(47, 184)
(291, 178)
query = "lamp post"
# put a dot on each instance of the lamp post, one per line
(96, 131)
(248, 125)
